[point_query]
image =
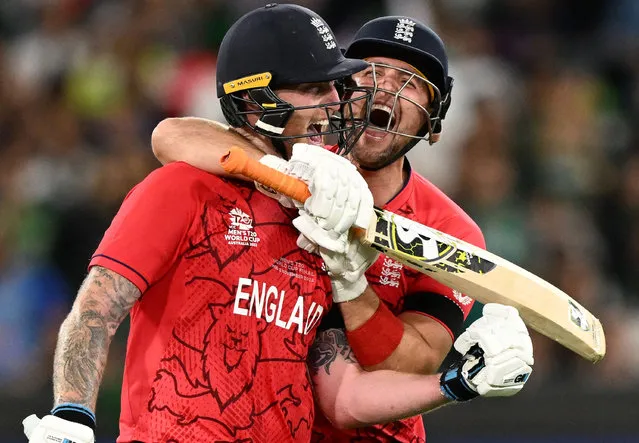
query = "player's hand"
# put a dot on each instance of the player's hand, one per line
(51, 428)
(497, 360)
(347, 270)
(279, 164)
(340, 197)
(319, 167)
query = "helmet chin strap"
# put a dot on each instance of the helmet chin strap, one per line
(280, 147)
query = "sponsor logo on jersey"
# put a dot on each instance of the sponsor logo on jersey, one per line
(241, 230)
(461, 298)
(260, 300)
(391, 273)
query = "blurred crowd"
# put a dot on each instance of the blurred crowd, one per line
(540, 146)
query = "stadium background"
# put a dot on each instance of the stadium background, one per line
(541, 147)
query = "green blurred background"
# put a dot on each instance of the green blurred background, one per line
(541, 147)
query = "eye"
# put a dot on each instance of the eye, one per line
(409, 82)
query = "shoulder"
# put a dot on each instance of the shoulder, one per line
(439, 211)
(178, 180)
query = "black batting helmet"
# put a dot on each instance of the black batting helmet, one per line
(410, 41)
(282, 45)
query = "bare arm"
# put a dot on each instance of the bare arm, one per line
(201, 143)
(103, 301)
(350, 397)
(423, 347)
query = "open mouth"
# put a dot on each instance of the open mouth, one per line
(381, 116)
(317, 127)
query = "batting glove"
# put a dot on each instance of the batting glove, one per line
(51, 429)
(279, 164)
(347, 270)
(497, 360)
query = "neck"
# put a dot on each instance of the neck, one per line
(259, 141)
(385, 183)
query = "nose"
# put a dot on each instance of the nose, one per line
(389, 82)
(332, 97)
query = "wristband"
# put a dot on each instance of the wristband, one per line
(75, 413)
(454, 385)
(374, 341)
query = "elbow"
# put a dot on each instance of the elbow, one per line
(161, 138)
(343, 420)
(344, 412)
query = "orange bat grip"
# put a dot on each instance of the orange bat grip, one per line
(237, 162)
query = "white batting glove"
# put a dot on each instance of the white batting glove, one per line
(305, 160)
(279, 164)
(347, 270)
(340, 197)
(55, 429)
(497, 360)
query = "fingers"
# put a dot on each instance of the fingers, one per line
(340, 197)
(307, 245)
(312, 231)
(498, 330)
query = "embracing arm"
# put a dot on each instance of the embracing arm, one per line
(497, 358)
(103, 302)
(350, 397)
(200, 143)
(422, 343)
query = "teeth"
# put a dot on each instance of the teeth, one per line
(323, 124)
(382, 107)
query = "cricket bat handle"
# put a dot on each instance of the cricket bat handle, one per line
(235, 161)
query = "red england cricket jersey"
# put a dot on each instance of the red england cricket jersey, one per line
(218, 341)
(404, 289)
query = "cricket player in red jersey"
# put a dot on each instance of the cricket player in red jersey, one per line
(223, 303)
(230, 307)
(415, 326)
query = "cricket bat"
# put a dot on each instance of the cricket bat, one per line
(477, 273)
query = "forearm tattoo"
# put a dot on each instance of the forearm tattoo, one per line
(103, 301)
(327, 347)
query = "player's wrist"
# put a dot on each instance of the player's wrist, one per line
(454, 386)
(76, 413)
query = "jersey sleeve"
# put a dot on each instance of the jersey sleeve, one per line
(428, 297)
(148, 233)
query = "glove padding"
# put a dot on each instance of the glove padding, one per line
(340, 197)
(337, 188)
(497, 360)
(347, 270)
(51, 428)
(279, 164)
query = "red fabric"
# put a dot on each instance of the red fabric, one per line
(218, 341)
(374, 341)
(421, 201)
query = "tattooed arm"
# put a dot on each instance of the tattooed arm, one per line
(351, 397)
(103, 301)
